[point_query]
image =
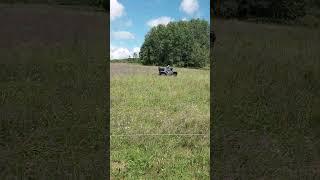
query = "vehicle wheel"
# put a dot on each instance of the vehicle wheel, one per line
(175, 74)
(162, 74)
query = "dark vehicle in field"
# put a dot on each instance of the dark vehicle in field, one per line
(167, 71)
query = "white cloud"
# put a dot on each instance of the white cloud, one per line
(189, 6)
(119, 52)
(122, 52)
(116, 9)
(136, 50)
(122, 35)
(161, 20)
(184, 19)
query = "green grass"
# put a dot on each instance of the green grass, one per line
(52, 97)
(150, 104)
(266, 117)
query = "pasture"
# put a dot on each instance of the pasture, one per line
(142, 102)
(266, 113)
(53, 97)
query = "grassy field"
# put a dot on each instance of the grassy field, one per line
(142, 102)
(266, 101)
(53, 82)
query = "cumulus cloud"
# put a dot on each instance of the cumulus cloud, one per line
(122, 35)
(119, 52)
(122, 52)
(184, 19)
(189, 6)
(136, 50)
(116, 9)
(161, 20)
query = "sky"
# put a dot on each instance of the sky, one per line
(130, 20)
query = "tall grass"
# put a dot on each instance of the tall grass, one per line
(52, 93)
(150, 104)
(266, 118)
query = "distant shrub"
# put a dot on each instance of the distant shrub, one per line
(275, 9)
(95, 3)
(310, 21)
(229, 9)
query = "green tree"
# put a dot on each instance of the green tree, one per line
(135, 55)
(273, 9)
(183, 44)
(95, 3)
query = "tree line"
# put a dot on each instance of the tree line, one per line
(182, 44)
(94, 3)
(275, 9)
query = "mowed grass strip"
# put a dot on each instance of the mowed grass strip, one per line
(145, 103)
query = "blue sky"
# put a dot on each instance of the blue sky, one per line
(130, 20)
